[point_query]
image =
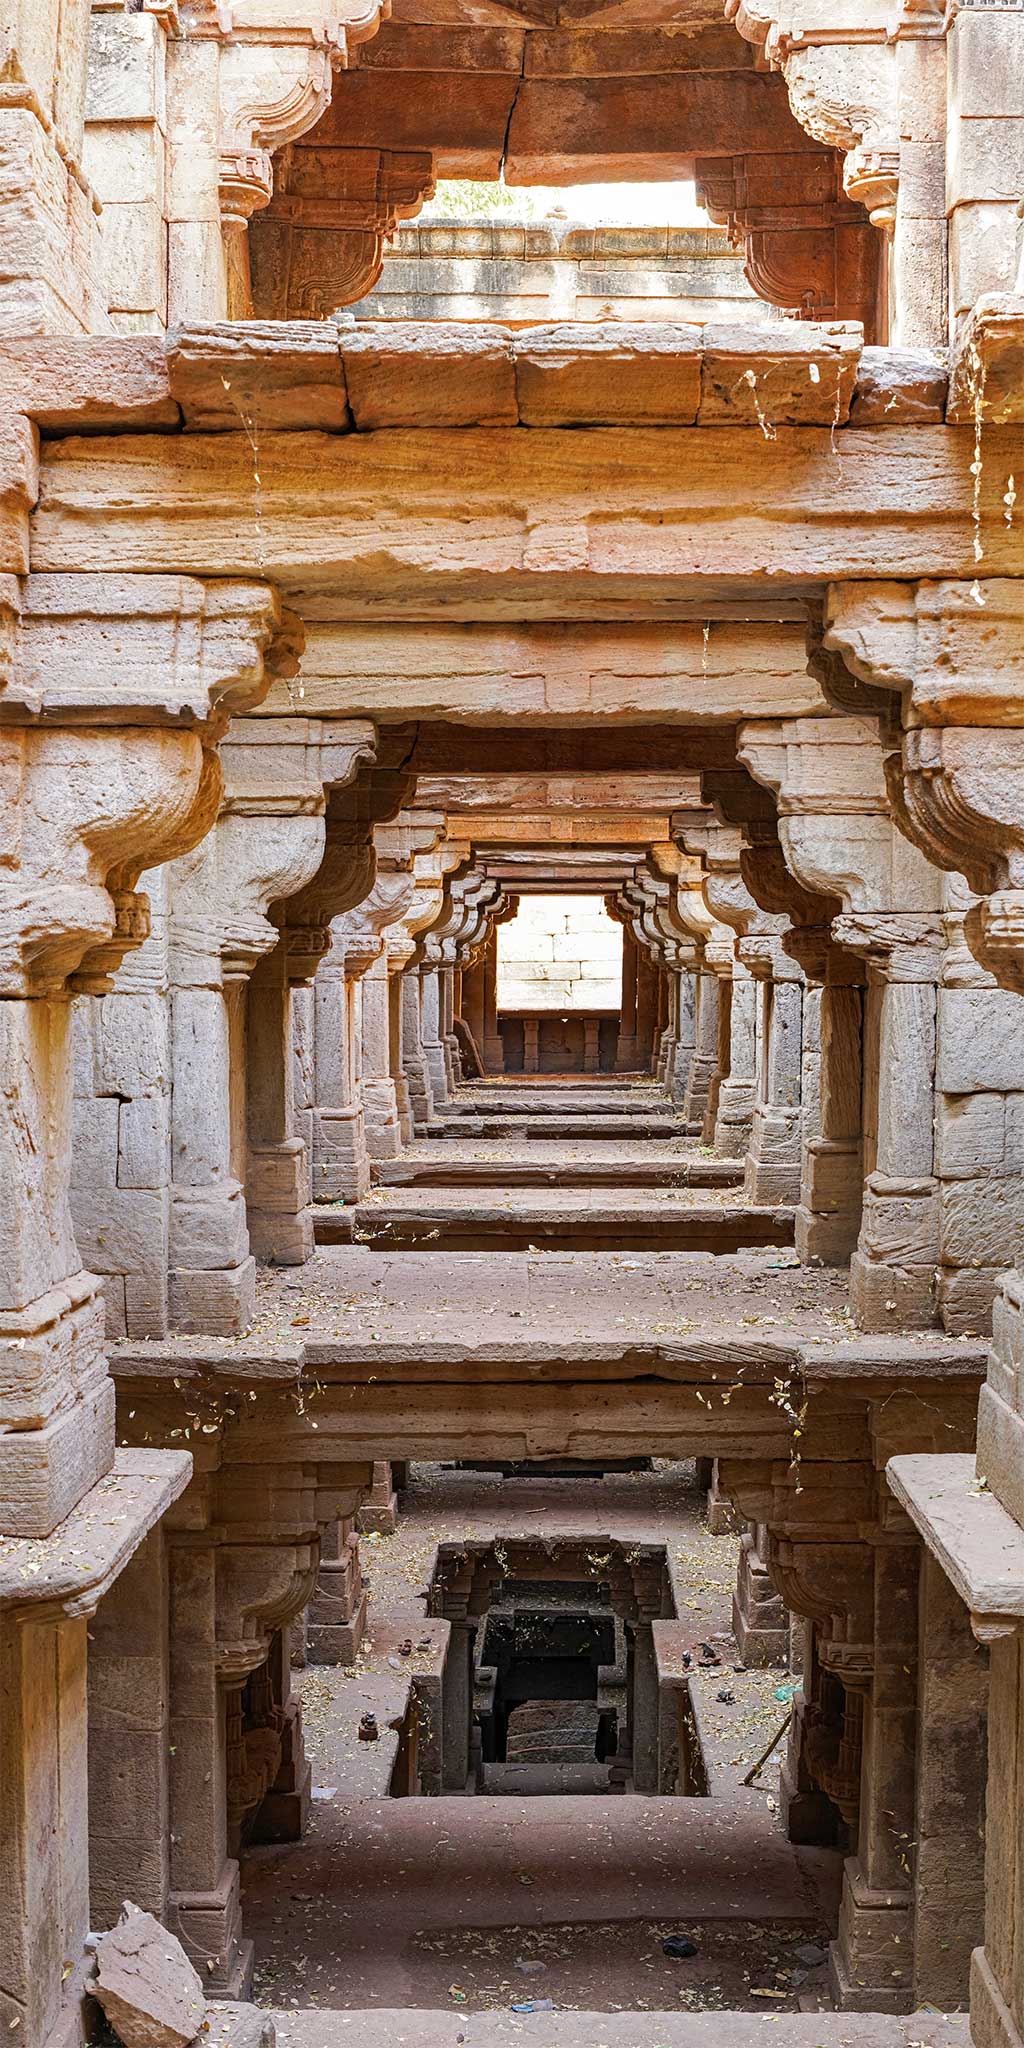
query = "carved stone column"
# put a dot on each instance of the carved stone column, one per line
(97, 803)
(823, 771)
(257, 895)
(893, 1273)
(773, 1163)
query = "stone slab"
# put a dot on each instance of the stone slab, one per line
(68, 1572)
(979, 1546)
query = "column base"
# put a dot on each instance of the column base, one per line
(773, 1162)
(282, 1240)
(734, 1119)
(380, 1114)
(823, 1239)
(871, 1963)
(337, 1642)
(340, 1162)
(284, 1810)
(209, 1927)
(403, 1101)
(893, 1280)
(217, 1304)
(695, 1102)
(277, 1196)
(336, 1615)
(722, 1516)
(378, 1513)
(808, 1815)
(438, 1071)
(828, 1217)
(884, 1297)
(758, 1613)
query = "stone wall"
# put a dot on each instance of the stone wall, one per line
(560, 270)
(560, 953)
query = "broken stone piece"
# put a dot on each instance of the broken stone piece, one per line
(146, 1985)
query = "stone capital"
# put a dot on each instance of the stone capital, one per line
(956, 770)
(268, 845)
(836, 827)
(141, 650)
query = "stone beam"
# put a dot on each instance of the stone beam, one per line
(484, 521)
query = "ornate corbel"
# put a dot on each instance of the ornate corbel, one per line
(956, 768)
(260, 1588)
(123, 775)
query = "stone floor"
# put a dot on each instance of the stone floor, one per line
(550, 1296)
(469, 1889)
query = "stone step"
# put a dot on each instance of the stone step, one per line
(632, 1171)
(381, 2027)
(492, 1226)
(545, 1780)
(576, 1102)
(574, 1127)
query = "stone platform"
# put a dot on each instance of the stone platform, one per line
(513, 1355)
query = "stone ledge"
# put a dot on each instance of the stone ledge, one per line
(979, 1546)
(69, 1572)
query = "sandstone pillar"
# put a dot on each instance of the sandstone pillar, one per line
(871, 1962)
(644, 1708)
(379, 1511)
(759, 1619)
(626, 1055)
(44, 1817)
(828, 1216)
(646, 1011)
(430, 1010)
(737, 1078)
(129, 1734)
(277, 1168)
(203, 1905)
(893, 1273)
(704, 1064)
(491, 1049)
(457, 1704)
(949, 1852)
(774, 1158)
(339, 1159)
(415, 1064)
(51, 260)
(686, 1022)
(380, 1102)
(336, 1616)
